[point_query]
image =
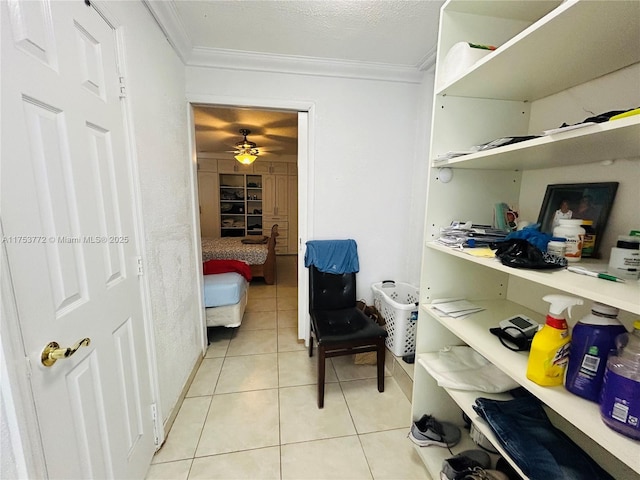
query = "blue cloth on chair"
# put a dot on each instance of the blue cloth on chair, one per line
(332, 256)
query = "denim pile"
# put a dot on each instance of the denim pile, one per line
(540, 450)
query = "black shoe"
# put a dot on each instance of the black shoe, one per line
(410, 358)
(459, 465)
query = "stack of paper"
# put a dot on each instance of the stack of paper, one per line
(453, 154)
(455, 308)
(467, 234)
(566, 128)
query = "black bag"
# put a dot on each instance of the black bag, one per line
(519, 253)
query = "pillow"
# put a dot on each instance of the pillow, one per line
(255, 239)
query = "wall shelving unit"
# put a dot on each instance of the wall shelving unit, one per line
(240, 204)
(551, 56)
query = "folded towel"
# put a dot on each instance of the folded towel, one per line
(332, 256)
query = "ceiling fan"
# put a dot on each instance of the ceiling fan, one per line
(246, 151)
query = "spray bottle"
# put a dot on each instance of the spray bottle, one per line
(550, 347)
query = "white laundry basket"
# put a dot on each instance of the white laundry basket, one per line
(397, 303)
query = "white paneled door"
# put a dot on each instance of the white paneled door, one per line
(68, 214)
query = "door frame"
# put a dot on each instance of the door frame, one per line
(305, 190)
(15, 389)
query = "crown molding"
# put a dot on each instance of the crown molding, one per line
(299, 65)
(168, 19)
(428, 62)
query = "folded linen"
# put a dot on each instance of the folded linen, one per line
(462, 368)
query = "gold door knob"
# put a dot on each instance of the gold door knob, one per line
(52, 352)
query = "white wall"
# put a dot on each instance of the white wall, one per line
(606, 93)
(365, 168)
(155, 87)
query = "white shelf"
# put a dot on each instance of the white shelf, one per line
(608, 141)
(625, 296)
(534, 64)
(239, 182)
(583, 414)
(466, 400)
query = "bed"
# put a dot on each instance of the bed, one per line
(261, 257)
(226, 292)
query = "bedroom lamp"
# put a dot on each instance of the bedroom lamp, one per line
(246, 158)
(246, 151)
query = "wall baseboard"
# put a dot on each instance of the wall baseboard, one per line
(174, 412)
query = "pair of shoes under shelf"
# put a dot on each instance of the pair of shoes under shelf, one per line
(428, 431)
(479, 473)
(456, 467)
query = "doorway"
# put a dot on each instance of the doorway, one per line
(282, 135)
(220, 134)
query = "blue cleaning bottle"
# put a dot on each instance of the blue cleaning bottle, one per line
(593, 338)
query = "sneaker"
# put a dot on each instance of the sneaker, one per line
(456, 467)
(479, 473)
(429, 431)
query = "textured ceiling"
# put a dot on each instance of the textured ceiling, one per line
(387, 33)
(217, 130)
(393, 32)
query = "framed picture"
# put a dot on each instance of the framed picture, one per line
(588, 201)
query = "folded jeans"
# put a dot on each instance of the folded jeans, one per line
(540, 450)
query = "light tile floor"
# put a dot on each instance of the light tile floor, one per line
(251, 411)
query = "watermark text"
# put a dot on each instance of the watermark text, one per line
(61, 239)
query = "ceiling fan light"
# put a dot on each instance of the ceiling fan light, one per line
(246, 158)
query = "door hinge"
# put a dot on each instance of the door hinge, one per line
(154, 418)
(123, 88)
(139, 266)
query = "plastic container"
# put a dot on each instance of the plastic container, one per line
(398, 304)
(593, 339)
(572, 231)
(460, 58)
(620, 402)
(557, 247)
(625, 258)
(550, 346)
(589, 243)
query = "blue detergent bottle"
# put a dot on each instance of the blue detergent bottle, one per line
(593, 338)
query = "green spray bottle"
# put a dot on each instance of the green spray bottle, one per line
(550, 346)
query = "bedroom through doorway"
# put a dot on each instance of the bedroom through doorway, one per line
(245, 203)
